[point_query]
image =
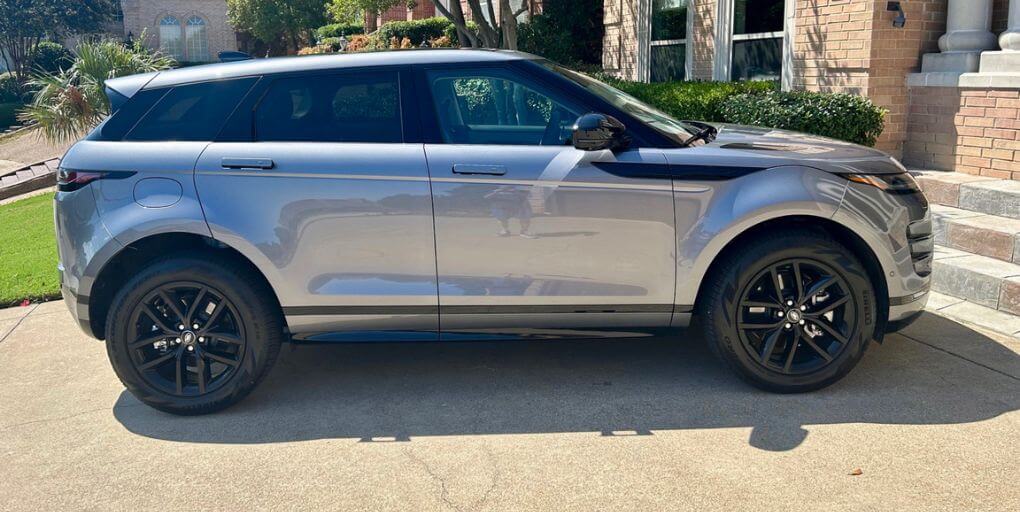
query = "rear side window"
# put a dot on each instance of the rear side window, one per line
(191, 112)
(331, 108)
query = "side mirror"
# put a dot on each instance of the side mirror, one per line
(595, 132)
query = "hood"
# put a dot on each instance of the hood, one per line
(749, 146)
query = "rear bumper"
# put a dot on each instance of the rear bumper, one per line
(78, 305)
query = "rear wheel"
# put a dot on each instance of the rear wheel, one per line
(789, 313)
(189, 336)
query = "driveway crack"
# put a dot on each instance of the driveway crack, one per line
(18, 323)
(954, 354)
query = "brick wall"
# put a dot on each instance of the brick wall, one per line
(974, 131)
(144, 15)
(400, 12)
(619, 44)
(703, 38)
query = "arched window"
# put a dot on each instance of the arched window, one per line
(197, 39)
(170, 37)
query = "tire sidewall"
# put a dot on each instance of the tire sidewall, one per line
(251, 308)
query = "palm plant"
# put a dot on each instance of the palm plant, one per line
(72, 102)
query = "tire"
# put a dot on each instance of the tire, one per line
(741, 313)
(171, 370)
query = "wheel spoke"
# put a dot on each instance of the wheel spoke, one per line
(194, 305)
(816, 288)
(759, 304)
(776, 284)
(200, 368)
(179, 373)
(770, 345)
(172, 305)
(226, 338)
(793, 350)
(158, 361)
(816, 348)
(220, 359)
(829, 307)
(839, 337)
(157, 319)
(147, 341)
(797, 278)
(758, 327)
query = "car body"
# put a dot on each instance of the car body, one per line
(435, 195)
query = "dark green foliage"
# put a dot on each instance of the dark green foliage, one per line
(568, 32)
(697, 101)
(10, 90)
(415, 30)
(9, 114)
(337, 30)
(451, 30)
(50, 58)
(839, 116)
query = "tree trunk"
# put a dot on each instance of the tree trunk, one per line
(371, 21)
(456, 15)
(509, 25)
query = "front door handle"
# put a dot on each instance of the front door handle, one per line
(246, 163)
(491, 170)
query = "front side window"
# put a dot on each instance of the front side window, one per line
(668, 53)
(193, 112)
(362, 107)
(490, 107)
(757, 39)
(197, 39)
(170, 37)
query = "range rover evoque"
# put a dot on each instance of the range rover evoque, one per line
(222, 210)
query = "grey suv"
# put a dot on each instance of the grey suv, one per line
(465, 195)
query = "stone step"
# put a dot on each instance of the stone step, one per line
(977, 279)
(975, 193)
(968, 312)
(978, 233)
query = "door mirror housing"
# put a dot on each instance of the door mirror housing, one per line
(595, 132)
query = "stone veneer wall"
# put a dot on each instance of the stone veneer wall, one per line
(144, 15)
(974, 131)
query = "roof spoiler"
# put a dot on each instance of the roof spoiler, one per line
(129, 85)
(232, 56)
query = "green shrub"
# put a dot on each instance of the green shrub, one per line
(8, 114)
(839, 116)
(697, 101)
(415, 30)
(338, 30)
(10, 90)
(451, 31)
(50, 58)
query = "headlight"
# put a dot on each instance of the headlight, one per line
(902, 183)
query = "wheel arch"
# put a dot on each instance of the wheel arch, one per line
(837, 231)
(132, 257)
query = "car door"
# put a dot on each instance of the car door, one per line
(535, 237)
(329, 202)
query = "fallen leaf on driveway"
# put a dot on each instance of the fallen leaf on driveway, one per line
(857, 472)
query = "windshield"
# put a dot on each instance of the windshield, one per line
(655, 118)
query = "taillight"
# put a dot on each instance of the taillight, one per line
(68, 181)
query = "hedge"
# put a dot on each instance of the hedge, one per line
(701, 101)
(415, 30)
(8, 114)
(49, 58)
(337, 30)
(839, 116)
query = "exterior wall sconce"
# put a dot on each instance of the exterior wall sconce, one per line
(901, 18)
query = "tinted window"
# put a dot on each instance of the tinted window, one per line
(191, 112)
(331, 108)
(485, 107)
(128, 112)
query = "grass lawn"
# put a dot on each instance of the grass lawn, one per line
(28, 251)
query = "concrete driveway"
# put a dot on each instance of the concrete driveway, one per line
(930, 418)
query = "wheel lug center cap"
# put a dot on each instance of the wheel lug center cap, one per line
(793, 315)
(188, 338)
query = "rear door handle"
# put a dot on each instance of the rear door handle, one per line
(246, 163)
(491, 170)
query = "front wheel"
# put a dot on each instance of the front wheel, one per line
(789, 313)
(192, 336)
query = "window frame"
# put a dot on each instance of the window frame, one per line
(645, 64)
(180, 34)
(722, 67)
(163, 92)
